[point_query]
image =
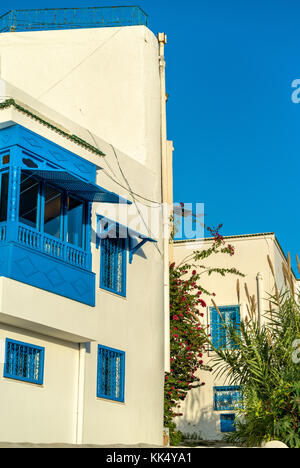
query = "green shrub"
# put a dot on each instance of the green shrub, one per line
(263, 365)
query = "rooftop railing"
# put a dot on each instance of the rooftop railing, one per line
(72, 18)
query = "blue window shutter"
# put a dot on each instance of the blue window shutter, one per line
(24, 361)
(111, 374)
(230, 316)
(228, 423)
(113, 265)
(217, 329)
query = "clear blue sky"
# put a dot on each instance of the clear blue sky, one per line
(236, 132)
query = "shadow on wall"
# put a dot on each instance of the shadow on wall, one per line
(199, 419)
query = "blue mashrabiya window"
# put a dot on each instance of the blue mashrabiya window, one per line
(24, 361)
(111, 374)
(230, 316)
(52, 211)
(113, 265)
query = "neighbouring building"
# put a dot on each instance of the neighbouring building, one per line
(209, 411)
(84, 164)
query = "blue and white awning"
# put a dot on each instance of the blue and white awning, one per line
(112, 229)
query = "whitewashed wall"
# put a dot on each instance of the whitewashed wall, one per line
(40, 414)
(104, 82)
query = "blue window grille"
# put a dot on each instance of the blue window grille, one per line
(113, 265)
(230, 316)
(24, 361)
(228, 423)
(111, 374)
(228, 398)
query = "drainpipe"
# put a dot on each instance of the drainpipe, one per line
(80, 394)
(162, 40)
(260, 290)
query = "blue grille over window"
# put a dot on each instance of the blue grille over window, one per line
(24, 361)
(111, 374)
(227, 398)
(113, 265)
(228, 423)
(230, 316)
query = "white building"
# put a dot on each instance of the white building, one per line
(209, 411)
(83, 318)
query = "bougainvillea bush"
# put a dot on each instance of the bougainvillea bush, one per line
(188, 332)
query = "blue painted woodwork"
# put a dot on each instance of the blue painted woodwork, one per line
(43, 152)
(113, 265)
(228, 398)
(38, 248)
(29, 266)
(24, 361)
(108, 228)
(111, 374)
(27, 253)
(72, 18)
(86, 190)
(231, 317)
(228, 422)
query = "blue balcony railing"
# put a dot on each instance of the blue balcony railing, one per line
(48, 245)
(72, 18)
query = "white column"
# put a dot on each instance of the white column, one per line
(260, 301)
(80, 393)
(162, 39)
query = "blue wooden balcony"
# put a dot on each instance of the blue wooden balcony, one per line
(46, 244)
(45, 215)
(45, 262)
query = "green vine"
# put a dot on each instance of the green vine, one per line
(79, 141)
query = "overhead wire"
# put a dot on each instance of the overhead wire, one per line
(133, 197)
(129, 189)
(119, 183)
